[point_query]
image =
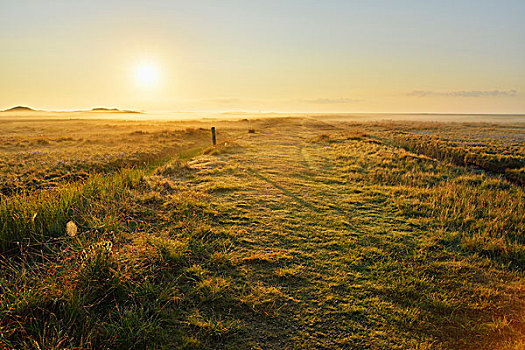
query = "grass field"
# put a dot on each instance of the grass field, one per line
(304, 233)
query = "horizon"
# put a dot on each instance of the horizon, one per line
(459, 57)
(102, 109)
(116, 113)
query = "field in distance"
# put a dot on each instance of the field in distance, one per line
(295, 232)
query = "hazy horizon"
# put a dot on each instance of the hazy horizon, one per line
(122, 110)
(200, 116)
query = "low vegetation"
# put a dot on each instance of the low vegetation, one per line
(302, 234)
(134, 281)
(499, 160)
(37, 155)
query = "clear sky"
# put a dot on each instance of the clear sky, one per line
(457, 56)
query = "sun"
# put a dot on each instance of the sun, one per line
(146, 75)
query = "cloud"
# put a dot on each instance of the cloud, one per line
(464, 93)
(328, 101)
(227, 100)
(230, 101)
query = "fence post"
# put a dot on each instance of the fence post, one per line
(213, 138)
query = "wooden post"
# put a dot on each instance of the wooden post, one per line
(213, 138)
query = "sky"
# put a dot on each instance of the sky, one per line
(385, 56)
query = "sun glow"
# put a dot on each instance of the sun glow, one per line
(146, 75)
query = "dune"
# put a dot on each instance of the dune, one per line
(112, 110)
(20, 109)
(24, 112)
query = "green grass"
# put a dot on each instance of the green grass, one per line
(302, 235)
(139, 287)
(40, 216)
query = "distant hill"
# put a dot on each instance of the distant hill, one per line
(111, 110)
(97, 109)
(20, 109)
(103, 109)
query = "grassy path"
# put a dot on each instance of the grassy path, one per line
(340, 264)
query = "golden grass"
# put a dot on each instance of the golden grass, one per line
(301, 235)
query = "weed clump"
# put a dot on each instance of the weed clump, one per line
(226, 147)
(175, 167)
(323, 138)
